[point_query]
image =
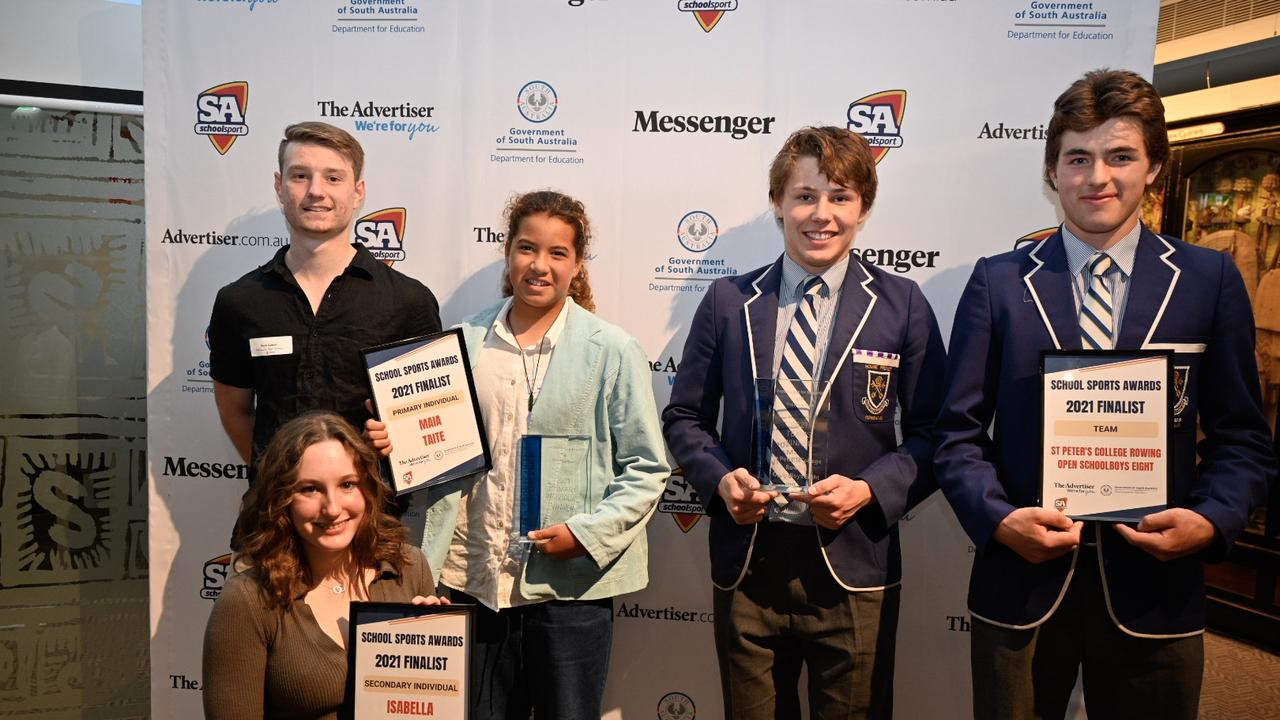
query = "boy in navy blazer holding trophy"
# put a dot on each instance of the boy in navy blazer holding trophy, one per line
(809, 575)
(1049, 596)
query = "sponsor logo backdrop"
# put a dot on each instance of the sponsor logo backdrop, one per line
(662, 117)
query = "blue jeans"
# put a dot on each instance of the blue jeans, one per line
(550, 658)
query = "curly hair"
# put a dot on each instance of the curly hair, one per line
(562, 207)
(270, 543)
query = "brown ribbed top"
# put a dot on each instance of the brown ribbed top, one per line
(264, 663)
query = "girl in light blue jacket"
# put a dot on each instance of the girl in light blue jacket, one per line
(545, 540)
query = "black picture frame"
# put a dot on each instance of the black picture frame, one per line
(364, 613)
(1133, 515)
(459, 471)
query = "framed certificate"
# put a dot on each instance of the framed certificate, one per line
(408, 660)
(1105, 422)
(423, 390)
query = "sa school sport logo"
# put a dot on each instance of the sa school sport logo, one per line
(878, 118)
(1035, 236)
(220, 113)
(707, 12)
(681, 502)
(382, 233)
(215, 576)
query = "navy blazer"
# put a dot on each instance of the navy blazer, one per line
(1183, 298)
(731, 342)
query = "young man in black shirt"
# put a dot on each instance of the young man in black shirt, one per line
(286, 337)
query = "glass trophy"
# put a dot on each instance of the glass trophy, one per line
(790, 433)
(554, 484)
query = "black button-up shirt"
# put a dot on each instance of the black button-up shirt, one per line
(368, 304)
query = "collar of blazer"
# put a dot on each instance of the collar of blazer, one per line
(1155, 275)
(572, 370)
(760, 312)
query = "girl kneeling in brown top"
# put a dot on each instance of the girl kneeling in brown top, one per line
(316, 537)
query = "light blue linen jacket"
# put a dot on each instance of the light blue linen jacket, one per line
(598, 385)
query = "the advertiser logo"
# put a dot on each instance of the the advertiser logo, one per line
(707, 12)
(666, 367)
(636, 611)
(537, 101)
(220, 114)
(213, 238)
(878, 118)
(182, 467)
(382, 233)
(697, 231)
(405, 118)
(1000, 132)
(676, 706)
(214, 577)
(681, 502)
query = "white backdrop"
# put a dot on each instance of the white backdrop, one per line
(440, 95)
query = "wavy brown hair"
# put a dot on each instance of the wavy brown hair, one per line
(1101, 96)
(272, 546)
(562, 207)
(843, 156)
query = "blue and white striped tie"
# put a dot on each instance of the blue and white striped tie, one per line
(789, 459)
(1096, 314)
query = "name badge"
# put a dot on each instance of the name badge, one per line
(266, 346)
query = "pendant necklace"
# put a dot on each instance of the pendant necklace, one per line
(529, 381)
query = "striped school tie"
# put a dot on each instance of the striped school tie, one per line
(1096, 310)
(789, 462)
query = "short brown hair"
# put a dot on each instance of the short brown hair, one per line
(271, 544)
(562, 207)
(843, 156)
(1103, 95)
(334, 138)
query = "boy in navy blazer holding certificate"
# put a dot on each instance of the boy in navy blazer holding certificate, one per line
(1049, 596)
(812, 577)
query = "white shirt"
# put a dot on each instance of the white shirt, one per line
(480, 562)
(1122, 254)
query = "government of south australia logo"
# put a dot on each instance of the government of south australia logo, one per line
(697, 231)
(708, 12)
(537, 101)
(878, 118)
(220, 112)
(676, 706)
(382, 233)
